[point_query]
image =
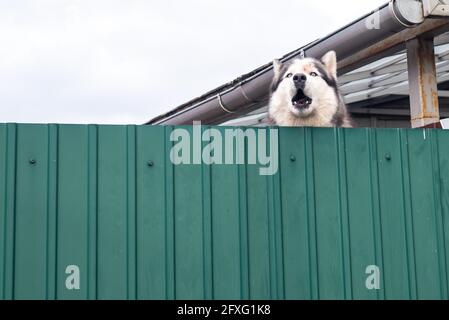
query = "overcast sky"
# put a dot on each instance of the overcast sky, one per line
(126, 61)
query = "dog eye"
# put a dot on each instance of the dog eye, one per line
(314, 74)
(289, 75)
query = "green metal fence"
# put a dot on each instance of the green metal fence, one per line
(108, 200)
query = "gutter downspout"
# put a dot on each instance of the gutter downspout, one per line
(391, 18)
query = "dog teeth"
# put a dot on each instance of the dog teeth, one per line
(302, 103)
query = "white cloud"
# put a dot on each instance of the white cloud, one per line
(125, 61)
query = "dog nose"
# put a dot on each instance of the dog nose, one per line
(299, 78)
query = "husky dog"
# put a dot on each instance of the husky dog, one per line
(304, 92)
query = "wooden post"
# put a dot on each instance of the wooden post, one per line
(422, 76)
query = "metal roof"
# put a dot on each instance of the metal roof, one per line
(382, 78)
(372, 64)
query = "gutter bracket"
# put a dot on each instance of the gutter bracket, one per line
(436, 8)
(220, 102)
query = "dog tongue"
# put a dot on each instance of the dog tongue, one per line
(300, 100)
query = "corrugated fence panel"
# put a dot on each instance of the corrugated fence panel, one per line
(298, 257)
(328, 222)
(73, 210)
(7, 208)
(31, 213)
(189, 228)
(227, 243)
(396, 267)
(3, 195)
(106, 205)
(154, 215)
(258, 235)
(431, 283)
(361, 209)
(442, 141)
(113, 215)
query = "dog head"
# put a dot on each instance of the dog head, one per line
(306, 86)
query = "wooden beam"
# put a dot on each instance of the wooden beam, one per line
(422, 76)
(392, 45)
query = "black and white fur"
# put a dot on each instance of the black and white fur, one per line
(305, 92)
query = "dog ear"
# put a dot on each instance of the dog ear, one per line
(277, 67)
(330, 62)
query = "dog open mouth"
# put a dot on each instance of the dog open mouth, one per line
(301, 101)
